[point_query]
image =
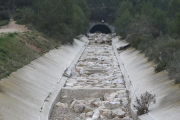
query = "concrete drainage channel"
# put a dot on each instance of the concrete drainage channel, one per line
(95, 90)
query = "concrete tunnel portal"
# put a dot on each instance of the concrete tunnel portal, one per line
(100, 28)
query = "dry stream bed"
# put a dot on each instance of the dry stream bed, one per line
(96, 89)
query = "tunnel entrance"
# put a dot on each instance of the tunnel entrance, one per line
(100, 28)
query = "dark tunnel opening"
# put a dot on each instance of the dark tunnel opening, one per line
(100, 28)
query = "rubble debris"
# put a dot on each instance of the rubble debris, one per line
(99, 68)
(97, 108)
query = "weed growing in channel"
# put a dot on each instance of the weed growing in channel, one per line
(143, 103)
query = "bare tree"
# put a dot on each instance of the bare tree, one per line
(143, 103)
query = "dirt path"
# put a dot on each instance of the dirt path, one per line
(13, 27)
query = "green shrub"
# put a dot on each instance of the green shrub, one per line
(175, 44)
(4, 22)
(160, 67)
(25, 16)
(174, 67)
(142, 42)
(10, 35)
(4, 15)
(143, 103)
(177, 79)
(135, 42)
(146, 41)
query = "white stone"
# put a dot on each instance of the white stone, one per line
(87, 109)
(73, 103)
(79, 108)
(63, 105)
(102, 117)
(89, 119)
(119, 113)
(108, 114)
(113, 94)
(102, 109)
(96, 114)
(107, 97)
(70, 84)
(89, 114)
(113, 103)
(90, 101)
(83, 115)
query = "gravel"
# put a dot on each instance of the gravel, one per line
(59, 113)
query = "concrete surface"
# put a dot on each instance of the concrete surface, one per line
(140, 77)
(29, 93)
(54, 95)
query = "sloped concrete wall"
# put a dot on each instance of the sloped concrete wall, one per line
(30, 92)
(140, 77)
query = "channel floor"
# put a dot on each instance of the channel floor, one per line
(97, 69)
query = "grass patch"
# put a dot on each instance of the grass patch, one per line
(19, 49)
(4, 22)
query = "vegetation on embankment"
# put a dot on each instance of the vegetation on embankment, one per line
(103, 9)
(4, 22)
(18, 49)
(59, 19)
(4, 17)
(153, 27)
(4, 13)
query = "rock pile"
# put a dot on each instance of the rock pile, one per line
(97, 68)
(112, 106)
(100, 36)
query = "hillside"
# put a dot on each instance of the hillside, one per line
(19, 46)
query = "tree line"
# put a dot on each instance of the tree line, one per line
(153, 27)
(58, 19)
(103, 9)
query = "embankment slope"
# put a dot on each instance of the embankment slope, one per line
(24, 93)
(140, 77)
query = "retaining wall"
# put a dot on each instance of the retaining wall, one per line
(140, 77)
(30, 92)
